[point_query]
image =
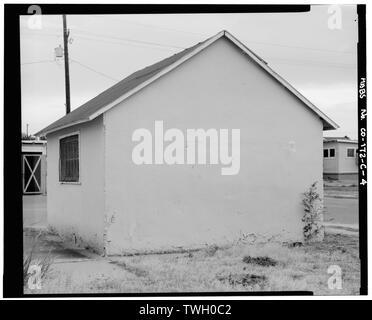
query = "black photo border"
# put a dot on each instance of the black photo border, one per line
(13, 222)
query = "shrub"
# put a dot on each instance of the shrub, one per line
(313, 229)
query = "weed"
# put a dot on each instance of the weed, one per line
(29, 260)
(313, 229)
(211, 250)
(261, 261)
(244, 279)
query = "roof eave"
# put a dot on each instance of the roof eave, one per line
(105, 108)
(45, 131)
(328, 124)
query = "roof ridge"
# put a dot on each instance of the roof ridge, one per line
(142, 77)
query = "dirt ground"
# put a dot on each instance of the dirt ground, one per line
(238, 267)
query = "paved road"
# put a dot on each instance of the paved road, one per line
(34, 211)
(341, 210)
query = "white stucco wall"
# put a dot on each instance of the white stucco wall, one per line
(162, 207)
(75, 211)
(331, 165)
(341, 163)
(347, 164)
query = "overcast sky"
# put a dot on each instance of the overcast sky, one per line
(317, 61)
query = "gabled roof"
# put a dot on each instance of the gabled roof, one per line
(140, 79)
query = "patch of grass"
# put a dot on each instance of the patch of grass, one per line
(211, 250)
(220, 269)
(245, 280)
(26, 266)
(43, 263)
(293, 244)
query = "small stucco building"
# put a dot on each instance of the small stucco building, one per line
(340, 158)
(100, 198)
(34, 167)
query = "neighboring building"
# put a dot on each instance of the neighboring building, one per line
(100, 198)
(34, 166)
(340, 159)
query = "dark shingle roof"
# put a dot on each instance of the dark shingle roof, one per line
(83, 112)
(95, 106)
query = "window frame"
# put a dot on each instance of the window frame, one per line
(59, 157)
(347, 152)
(334, 156)
(327, 151)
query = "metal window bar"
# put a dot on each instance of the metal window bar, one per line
(69, 159)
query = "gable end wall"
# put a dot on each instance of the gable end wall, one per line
(154, 207)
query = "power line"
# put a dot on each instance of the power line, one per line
(75, 61)
(283, 61)
(299, 47)
(89, 38)
(81, 37)
(280, 60)
(255, 42)
(128, 40)
(162, 45)
(179, 47)
(204, 34)
(107, 37)
(93, 70)
(36, 62)
(22, 34)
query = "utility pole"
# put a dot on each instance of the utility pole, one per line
(67, 71)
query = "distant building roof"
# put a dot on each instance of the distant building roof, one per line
(34, 141)
(140, 79)
(344, 139)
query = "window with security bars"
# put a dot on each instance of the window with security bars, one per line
(69, 159)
